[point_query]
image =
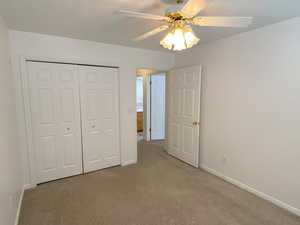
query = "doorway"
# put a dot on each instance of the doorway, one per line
(139, 107)
(150, 104)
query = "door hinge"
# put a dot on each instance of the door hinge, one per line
(150, 82)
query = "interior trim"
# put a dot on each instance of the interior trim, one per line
(19, 207)
(78, 64)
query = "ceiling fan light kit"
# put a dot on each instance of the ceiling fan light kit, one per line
(179, 18)
(180, 38)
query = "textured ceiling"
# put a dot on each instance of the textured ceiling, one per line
(96, 20)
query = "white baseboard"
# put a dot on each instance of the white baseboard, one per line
(129, 162)
(19, 207)
(29, 186)
(252, 190)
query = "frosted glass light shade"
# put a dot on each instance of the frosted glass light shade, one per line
(167, 42)
(179, 38)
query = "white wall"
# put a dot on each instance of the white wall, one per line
(10, 172)
(250, 111)
(128, 59)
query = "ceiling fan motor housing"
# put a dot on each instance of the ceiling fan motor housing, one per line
(174, 12)
(173, 1)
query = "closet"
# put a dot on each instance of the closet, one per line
(74, 118)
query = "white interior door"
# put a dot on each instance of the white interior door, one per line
(54, 99)
(183, 110)
(157, 106)
(100, 117)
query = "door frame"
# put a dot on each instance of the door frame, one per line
(26, 106)
(147, 98)
(147, 107)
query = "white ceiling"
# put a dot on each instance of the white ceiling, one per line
(96, 20)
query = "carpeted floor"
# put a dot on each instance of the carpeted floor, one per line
(159, 190)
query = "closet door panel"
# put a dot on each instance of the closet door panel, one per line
(100, 117)
(42, 82)
(55, 115)
(69, 120)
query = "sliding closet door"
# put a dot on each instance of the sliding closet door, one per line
(55, 115)
(100, 117)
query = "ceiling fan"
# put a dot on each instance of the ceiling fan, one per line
(180, 18)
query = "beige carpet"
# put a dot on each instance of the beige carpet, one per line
(159, 190)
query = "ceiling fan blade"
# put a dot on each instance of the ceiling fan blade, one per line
(151, 33)
(222, 21)
(192, 7)
(143, 15)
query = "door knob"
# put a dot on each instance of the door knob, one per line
(196, 123)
